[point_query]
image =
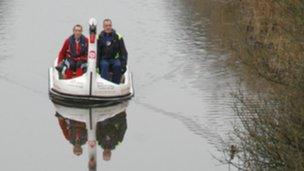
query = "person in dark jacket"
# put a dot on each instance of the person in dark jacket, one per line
(112, 53)
(72, 57)
(110, 133)
(75, 132)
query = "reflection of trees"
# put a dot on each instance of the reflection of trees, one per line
(4, 9)
(5, 12)
(5, 22)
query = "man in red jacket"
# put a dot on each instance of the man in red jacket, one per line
(72, 58)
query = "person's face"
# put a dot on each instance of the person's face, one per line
(107, 26)
(77, 32)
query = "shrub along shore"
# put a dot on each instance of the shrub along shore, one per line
(265, 38)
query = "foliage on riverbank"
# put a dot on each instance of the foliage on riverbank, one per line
(266, 36)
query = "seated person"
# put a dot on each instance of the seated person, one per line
(72, 58)
(111, 52)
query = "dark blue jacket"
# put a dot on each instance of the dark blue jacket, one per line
(111, 46)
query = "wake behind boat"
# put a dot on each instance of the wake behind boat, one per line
(90, 87)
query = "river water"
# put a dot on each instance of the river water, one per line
(182, 107)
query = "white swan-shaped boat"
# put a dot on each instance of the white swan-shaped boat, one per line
(89, 87)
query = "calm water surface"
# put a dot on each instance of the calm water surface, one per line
(182, 104)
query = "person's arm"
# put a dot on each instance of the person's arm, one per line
(123, 54)
(98, 48)
(63, 52)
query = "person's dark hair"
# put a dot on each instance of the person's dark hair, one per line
(107, 20)
(77, 25)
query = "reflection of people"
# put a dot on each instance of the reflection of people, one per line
(75, 132)
(110, 133)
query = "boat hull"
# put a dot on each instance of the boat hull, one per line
(82, 91)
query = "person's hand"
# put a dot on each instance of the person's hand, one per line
(123, 69)
(123, 66)
(59, 68)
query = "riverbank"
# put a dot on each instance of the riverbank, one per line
(265, 42)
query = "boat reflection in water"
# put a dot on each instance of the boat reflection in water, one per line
(93, 127)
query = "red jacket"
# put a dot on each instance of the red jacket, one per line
(65, 51)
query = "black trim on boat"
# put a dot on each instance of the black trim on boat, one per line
(91, 124)
(91, 84)
(67, 99)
